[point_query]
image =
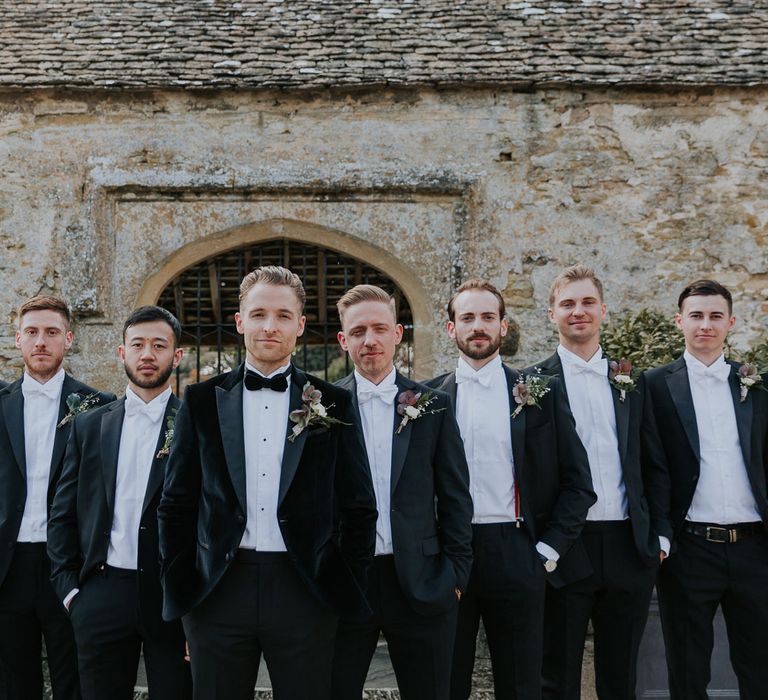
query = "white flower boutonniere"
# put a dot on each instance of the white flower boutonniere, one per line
(621, 377)
(412, 405)
(165, 450)
(529, 391)
(749, 377)
(312, 412)
(78, 404)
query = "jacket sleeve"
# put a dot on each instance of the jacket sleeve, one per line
(575, 479)
(63, 534)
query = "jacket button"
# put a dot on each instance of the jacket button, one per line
(19, 506)
(240, 518)
(227, 556)
(694, 479)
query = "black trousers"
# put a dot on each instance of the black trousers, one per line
(419, 647)
(616, 597)
(506, 589)
(693, 581)
(29, 611)
(110, 634)
(261, 606)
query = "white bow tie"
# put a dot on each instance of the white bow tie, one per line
(597, 366)
(385, 393)
(464, 373)
(136, 407)
(48, 390)
(719, 371)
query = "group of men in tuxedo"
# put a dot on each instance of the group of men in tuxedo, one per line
(274, 514)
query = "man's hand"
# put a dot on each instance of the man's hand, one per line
(458, 593)
(186, 650)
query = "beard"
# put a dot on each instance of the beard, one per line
(494, 343)
(151, 382)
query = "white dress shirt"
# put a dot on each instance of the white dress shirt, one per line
(265, 427)
(482, 412)
(41, 415)
(138, 444)
(591, 401)
(376, 402)
(723, 493)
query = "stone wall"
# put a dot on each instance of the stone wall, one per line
(104, 195)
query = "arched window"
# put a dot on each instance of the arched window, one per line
(205, 298)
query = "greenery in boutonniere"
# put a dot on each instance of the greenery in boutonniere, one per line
(312, 412)
(170, 422)
(412, 405)
(749, 377)
(621, 375)
(78, 404)
(529, 391)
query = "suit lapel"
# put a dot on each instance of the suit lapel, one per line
(111, 428)
(553, 366)
(157, 472)
(292, 450)
(743, 411)
(621, 411)
(70, 386)
(517, 430)
(680, 390)
(13, 414)
(449, 387)
(401, 440)
(229, 404)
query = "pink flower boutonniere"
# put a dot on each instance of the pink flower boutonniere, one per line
(621, 377)
(412, 405)
(529, 391)
(312, 412)
(749, 377)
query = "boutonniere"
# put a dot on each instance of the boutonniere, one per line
(620, 377)
(312, 412)
(529, 391)
(78, 404)
(412, 405)
(170, 422)
(749, 377)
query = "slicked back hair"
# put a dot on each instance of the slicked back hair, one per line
(365, 292)
(705, 288)
(483, 286)
(147, 314)
(276, 275)
(574, 273)
(43, 302)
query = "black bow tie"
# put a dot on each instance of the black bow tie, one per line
(254, 381)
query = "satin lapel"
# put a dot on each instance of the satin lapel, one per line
(680, 390)
(743, 411)
(292, 450)
(554, 367)
(401, 440)
(229, 404)
(517, 429)
(13, 413)
(157, 472)
(111, 428)
(69, 386)
(449, 387)
(621, 410)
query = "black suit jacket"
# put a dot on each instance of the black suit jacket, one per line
(326, 506)
(13, 469)
(551, 471)
(671, 441)
(430, 505)
(83, 509)
(629, 414)
(3, 385)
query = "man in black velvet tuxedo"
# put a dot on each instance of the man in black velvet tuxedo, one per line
(706, 438)
(102, 533)
(33, 436)
(531, 489)
(423, 533)
(3, 385)
(268, 518)
(620, 548)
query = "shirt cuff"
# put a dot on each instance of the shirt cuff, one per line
(69, 597)
(546, 551)
(664, 544)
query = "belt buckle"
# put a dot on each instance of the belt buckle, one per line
(724, 535)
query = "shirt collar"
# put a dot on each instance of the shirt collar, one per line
(54, 383)
(389, 380)
(571, 358)
(132, 397)
(692, 361)
(489, 368)
(279, 370)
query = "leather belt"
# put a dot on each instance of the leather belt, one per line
(724, 533)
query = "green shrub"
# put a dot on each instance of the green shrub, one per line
(757, 354)
(647, 339)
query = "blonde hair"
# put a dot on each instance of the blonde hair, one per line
(361, 293)
(273, 274)
(574, 273)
